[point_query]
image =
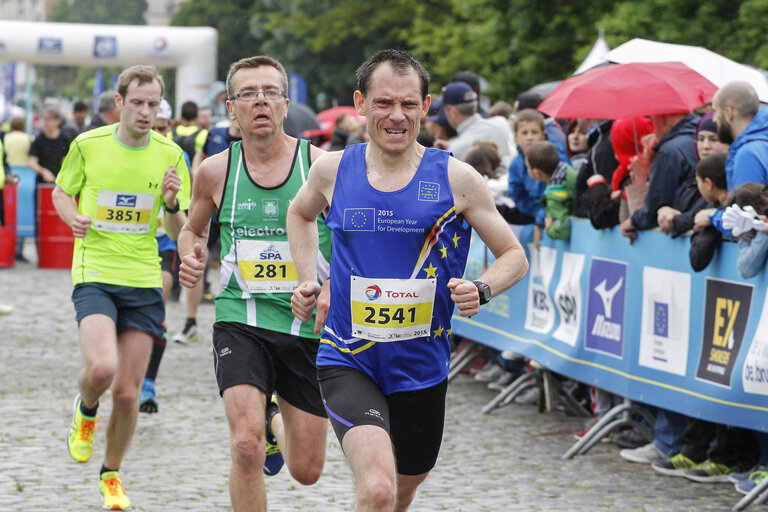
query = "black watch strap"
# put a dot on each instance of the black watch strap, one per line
(172, 210)
(485, 292)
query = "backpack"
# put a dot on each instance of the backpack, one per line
(186, 142)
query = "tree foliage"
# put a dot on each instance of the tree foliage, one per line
(514, 44)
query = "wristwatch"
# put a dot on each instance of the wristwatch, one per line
(485, 292)
(171, 210)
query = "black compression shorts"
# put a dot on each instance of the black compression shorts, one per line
(414, 419)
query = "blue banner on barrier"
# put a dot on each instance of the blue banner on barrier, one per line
(637, 321)
(25, 212)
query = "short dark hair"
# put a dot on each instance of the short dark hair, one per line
(189, 110)
(484, 158)
(528, 100)
(80, 106)
(528, 115)
(17, 124)
(713, 167)
(749, 194)
(400, 61)
(251, 63)
(542, 155)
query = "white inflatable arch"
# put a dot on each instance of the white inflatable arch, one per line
(191, 50)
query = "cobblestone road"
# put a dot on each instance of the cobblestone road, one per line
(507, 461)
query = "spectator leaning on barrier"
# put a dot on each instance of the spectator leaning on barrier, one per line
(675, 160)
(601, 160)
(544, 165)
(744, 125)
(710, 178)
(524, 190)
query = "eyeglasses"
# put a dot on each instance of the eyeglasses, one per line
(269, 95)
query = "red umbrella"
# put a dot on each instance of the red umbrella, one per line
(328, 117)
(629, 90)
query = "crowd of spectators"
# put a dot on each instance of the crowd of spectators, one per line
(702, 173)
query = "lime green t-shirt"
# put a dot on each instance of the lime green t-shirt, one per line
(120, 190)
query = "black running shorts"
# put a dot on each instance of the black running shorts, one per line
(271, 361)
(414, 419)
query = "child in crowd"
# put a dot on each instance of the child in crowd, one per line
(710, 179)
(544, 165)
(749, 201)
(524, 190)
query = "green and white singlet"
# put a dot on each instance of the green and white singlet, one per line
(257, 270)
(120, 190)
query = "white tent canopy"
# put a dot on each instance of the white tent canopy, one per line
(714, 67)
(595, 56)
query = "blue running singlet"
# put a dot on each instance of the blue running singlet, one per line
(392, 256)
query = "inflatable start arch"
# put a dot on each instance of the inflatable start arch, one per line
(191, 50)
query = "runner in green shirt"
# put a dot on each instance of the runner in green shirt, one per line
(123, 174)
(259, 346)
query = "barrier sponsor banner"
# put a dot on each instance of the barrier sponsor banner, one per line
(664, 342)
(637, 321)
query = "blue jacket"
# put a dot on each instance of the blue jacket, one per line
(524, 190)
(748, 157)
(674, 162)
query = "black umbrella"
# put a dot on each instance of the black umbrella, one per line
(300, 119)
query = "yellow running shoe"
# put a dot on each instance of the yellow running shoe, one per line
(80, 434)
(113, 491)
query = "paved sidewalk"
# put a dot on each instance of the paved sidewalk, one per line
(179, 460)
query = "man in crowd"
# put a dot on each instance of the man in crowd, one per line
(259, 346)
(123, 174)
(675, 161)
(384, 357)
(108, 112)
(459, 102)
(744, 125)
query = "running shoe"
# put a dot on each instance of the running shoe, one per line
(273, 463)
(187, 336)
(80, 434)
(674, 466)
(147, 400)
(113, 491)
(643, 455)
(746, 486)
(745, 475)
(581, 433)
(710, 472)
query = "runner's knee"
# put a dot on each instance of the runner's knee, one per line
(99, 374)
(377, 490)
(248, 449)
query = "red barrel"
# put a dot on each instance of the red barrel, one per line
(8, 229)
(55, 241)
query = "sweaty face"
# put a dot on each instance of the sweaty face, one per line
(393, 108)
(258, 116)
(139, 107)
(527, 133)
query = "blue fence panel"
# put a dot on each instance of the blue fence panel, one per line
(25, 220)
(637, 321)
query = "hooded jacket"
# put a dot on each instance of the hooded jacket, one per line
(748, 157)
(675, 161)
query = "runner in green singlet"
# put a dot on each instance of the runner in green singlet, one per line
(123, 174)
(259, 346)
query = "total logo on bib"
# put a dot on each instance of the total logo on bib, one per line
(391, 309)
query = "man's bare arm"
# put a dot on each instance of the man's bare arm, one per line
(193, 237)
(301, 222)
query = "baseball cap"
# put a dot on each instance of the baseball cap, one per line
(165, 111)
(456, 93)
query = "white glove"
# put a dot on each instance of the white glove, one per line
(741, 221)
